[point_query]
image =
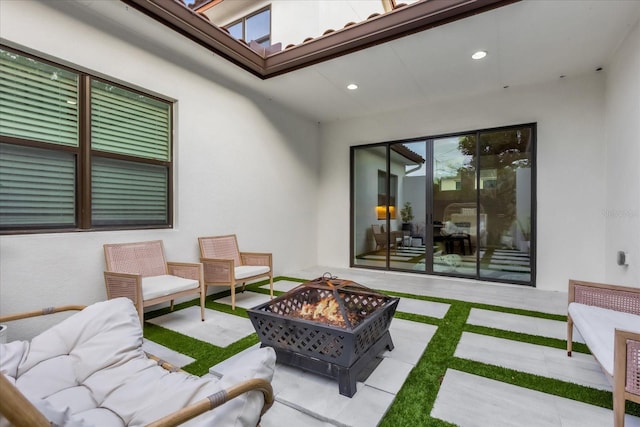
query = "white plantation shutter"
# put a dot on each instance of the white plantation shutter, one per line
(37, 101)
(126, 122)
(128, 193)
(37, 187)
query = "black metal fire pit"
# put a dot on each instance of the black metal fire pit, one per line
(329, 326)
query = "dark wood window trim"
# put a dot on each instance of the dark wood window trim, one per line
(84, 155)
(270, 62)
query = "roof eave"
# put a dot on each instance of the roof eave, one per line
(398, 23)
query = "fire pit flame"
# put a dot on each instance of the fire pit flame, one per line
(327, 310)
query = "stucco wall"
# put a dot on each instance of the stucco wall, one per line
(622, 141)
(570, 194)
(242, 164)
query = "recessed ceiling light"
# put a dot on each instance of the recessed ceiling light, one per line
(352, 86)
(479, 54)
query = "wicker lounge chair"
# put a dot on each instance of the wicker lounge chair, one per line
(224, 264)
(90, 369)
(140, 272)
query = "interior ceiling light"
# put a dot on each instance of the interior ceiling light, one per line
(352, 86)
(479, 54)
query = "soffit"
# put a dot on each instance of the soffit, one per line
(528, 42)
(397, 23)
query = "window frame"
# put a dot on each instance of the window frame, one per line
(84, 155)
(243, 21)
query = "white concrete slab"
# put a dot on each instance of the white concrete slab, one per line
(424, 308)
(219, 329)
(472, 401)
(176, 359)
(389, 375)
(279, 415)
(410, 339)
(548, 362)
(282, 285)
(246, 299)
(522, 324)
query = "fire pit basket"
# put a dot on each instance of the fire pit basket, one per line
(337, 349)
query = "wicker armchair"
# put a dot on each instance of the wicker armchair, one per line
(224, 264)
(103, 343)
(380, 237)
(140, 272)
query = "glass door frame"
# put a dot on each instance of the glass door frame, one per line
(429, 194)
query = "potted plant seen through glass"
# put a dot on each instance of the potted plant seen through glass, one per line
(406, 213)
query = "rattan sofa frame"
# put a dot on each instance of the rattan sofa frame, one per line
(626, 346)
(219, 270)
(128, 284)
(20, 412)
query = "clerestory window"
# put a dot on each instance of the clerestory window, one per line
(78, 152)
(254, 27)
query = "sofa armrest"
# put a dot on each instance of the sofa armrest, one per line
(626, 375)
(256, 258)
(17, 408)
(217, 270)
(217, 399)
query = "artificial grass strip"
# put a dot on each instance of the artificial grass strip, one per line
(418, 318)
(482, 306)
(531, 339)
(201, 366)
(545, 385)
(176, 341)
(414, 402)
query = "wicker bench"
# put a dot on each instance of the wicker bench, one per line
(608, 318)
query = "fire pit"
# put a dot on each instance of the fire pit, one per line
(329, 326)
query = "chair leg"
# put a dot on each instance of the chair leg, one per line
(569, 335)
(233, 295)
(140, 310)
(203, 296)
(171, 306)
(618, 409)
(271, 285)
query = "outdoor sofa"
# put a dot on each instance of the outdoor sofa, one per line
(90, 370)
(608, 318)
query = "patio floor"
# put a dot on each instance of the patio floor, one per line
(463, 399)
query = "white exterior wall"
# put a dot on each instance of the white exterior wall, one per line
(622, 141)
(242, 164)
(571, 174)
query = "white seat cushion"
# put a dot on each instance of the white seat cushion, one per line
(597, 326)
(161, 286)
(244, 271)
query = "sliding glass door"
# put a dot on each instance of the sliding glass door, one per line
(454, 206)
(458, 205)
